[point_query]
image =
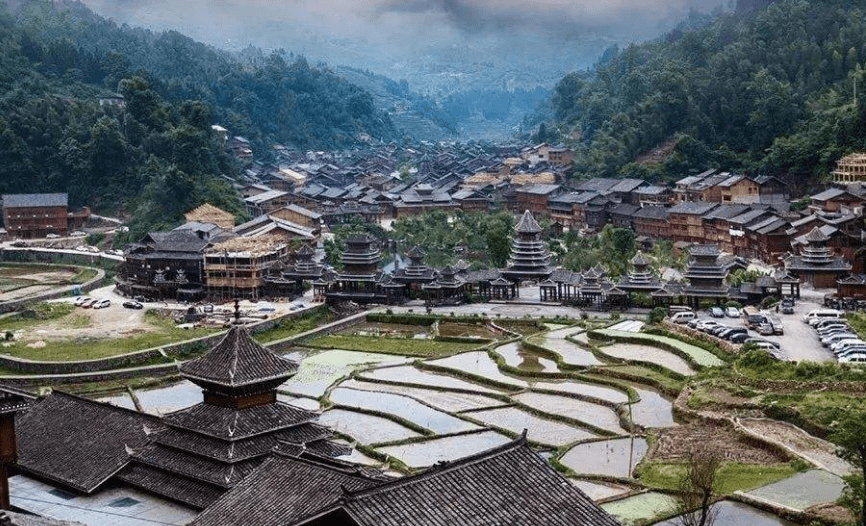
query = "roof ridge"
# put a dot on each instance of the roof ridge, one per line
(321, 461)
(446, 467)
(106, 405)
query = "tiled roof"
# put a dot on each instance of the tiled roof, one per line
(652, 212)
(194, 492)
(59, 441)
(816, 236)
(236, 361)
(693, 207)
(508, 485)
(235, 424)
(283, 490)
(34, 200)
(527, 224)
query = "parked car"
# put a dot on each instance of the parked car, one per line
(837, 337)
(761, 340)
(101, 304)
(80, 300)
(787, 308)
(841, 345)
(679, 317)
(765, 329)
(740, 337)
(88, 303)
(717, 312)
(854, 358)
(732, 312)
(132, 305)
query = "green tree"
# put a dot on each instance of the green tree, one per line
(850, 436)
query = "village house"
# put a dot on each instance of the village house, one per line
(835, 199)
(299, 215)
(850, 169)
(32, 216)
(686, 221)
(208, 213)
(652, 222)
(237, 268)
(266, 202)
(535, 197)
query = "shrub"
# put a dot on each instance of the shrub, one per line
(657, 315)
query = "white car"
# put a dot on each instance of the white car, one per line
(80, 300)
(101, 304)
(854, 358)
(841, 345)
(732, 312)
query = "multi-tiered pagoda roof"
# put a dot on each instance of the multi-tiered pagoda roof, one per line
(530, 258)
(705, 274)
(416, 271)
(816, 256)
(305, 267)
(360, 259)
(206, 449)
(641, 278)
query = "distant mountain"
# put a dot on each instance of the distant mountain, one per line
(769, 88)
(268, 98)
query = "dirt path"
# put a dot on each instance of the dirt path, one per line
(818, 451)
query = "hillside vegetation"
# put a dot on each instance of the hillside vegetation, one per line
(768, 91)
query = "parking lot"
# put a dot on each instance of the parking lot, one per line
(798, 343)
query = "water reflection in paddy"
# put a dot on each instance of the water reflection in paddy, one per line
(525, 359)
(587, 412)
(319, 371)
(366, 429)
(169, 398)
(309, 404)
(478, 363)
(411, 375)
(615, 457)
(570, 352)
(428, 452)
(608, 394)
(737, 514)
(403, 407)
(640, 508)
(539, 429)
(448, 401)
(653, 410)
(120, 400)
(645, 353)
(597, 490)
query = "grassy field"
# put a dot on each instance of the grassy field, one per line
(162, 331)
(293, 327)
(699, 356)
(731, 477)
(401, 346)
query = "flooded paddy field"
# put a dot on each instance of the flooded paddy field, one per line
(640, 508)
(402, 407)
(570, 352)
(594, 414)
(615, 457)
(802, 490)
(480, 364)
(598, 490)
(526, 359)
(366, 429)
(541, 430)
(737, 514)
(652, 410)
(319, 371)
(428, 452)
(448, 401)
(601, 392)
(644, 353)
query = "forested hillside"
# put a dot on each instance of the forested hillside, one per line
(769, 90)
(268, 98)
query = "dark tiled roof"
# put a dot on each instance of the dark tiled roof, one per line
(236, 361)
(236, 450)
(527, 224)
(77, 442)
(816, 236)
(652, 212)
(196, 493)
(283, 490)
(508, 485)
(194, 467)
(235, 424)
(693, 208)
(34, 200)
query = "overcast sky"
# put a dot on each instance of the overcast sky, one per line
(377, 32)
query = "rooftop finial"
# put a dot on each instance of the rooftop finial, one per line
(237, 312)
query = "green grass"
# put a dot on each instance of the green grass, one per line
(401, 346)
(760, 365)
(731, 477)
(700, 356)
(819, 407)
(84, 275)
(653, 376)
(293, 327)
(88, 348)
(35, 315)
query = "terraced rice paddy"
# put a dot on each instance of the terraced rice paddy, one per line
(525, 359)
(802, 490)
(641, 507)
(700, 356)
(429, 452)
(540, 430)
(644, 353)
(597, 491)
(366, 429)
(310, 404)
(594, 414)
(170, 398)
(737, 514)
(653, 410)
(402, 407)
(319, 371)
(607, 394)
(480, 364)
(411, 375)
(448, 401)
(570, 352)
(615, 457)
